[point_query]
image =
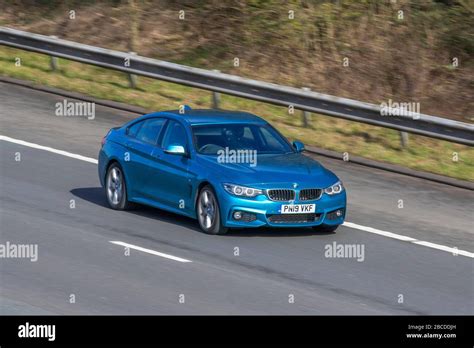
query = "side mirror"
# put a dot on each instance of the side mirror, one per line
(298, 145)
(175, 150)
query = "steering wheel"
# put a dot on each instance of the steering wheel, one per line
(210, 148)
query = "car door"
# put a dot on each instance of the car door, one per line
(174, 188)
(139, 160)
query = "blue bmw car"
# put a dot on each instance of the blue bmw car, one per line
(226, 169)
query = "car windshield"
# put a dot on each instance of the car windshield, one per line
(264, 139)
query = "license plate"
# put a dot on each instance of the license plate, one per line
(298, 208)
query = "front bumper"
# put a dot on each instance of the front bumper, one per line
(264, 212)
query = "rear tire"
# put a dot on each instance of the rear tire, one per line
(116, 188)
(326, 228)
(208, 212)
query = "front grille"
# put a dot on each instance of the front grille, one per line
(310, 194)
(293, 218)
(281, 195)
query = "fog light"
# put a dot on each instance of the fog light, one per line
(335, 214)
(237, 215)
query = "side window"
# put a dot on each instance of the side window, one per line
(150, 130)
(248, 134)
(175, 134)
(133, 130)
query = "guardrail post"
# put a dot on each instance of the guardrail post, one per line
(54, 60)
(404, 139)
(216, 96)
(305, 117)
(132, 79)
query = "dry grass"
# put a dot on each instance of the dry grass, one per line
(407, 60)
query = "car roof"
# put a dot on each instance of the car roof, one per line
(211, 116)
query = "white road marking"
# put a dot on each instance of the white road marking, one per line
(380, 232)
(454, 251)
(149, 251)
(49, 149)
(403, 238)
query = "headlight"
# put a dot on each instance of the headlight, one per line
(242, 191)
(334, 189)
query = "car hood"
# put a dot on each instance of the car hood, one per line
(269, 171)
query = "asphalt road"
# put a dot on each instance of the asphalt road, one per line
(75, 256)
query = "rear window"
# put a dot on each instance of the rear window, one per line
(133, 129)
(150, 130)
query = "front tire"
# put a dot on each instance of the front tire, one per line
(116, 189)
(208, 213)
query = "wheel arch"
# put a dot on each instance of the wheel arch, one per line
(198, 189)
